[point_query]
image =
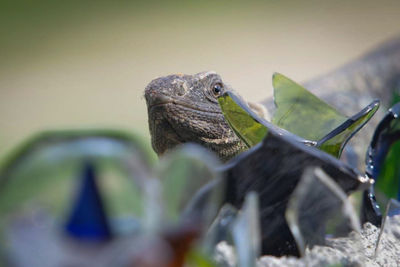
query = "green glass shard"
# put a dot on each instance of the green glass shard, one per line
(41, 175)
(304, 114)
(298, 111)
(301, 112)
(250, 130)
(334, 142)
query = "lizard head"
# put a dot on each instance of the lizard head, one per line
(184, 108)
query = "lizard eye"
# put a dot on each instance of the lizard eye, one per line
(217, 89)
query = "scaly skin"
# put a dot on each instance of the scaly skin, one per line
(183, 108)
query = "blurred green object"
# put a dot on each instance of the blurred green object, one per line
(299, 112)
(39, 180)
(42, 185)
(40, 170)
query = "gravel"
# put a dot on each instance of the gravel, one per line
(353, 250)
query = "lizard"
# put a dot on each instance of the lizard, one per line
(183, 108)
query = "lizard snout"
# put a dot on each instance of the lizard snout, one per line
(154, 98)
(163, 90)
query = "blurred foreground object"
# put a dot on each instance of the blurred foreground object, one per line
(95, 198)
(91, 198)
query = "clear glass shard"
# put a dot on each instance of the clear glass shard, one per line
(246, 232)
(152, 205)
(220, 230)
(390, 229)
(182, 173)
(319, 209)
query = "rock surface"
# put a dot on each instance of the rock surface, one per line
(354, 250)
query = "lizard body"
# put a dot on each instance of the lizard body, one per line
(183, 108)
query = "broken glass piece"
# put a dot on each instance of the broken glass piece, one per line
(182, 173)
(203, 207)
(220, 229)
(299, 111)
(370, 210)
(153, 207)
(88, 219)
(241, 119)
(246, 232)
(44, 171)
(319, 208)
(383, 156)
(272, 169)
(334, 142)
(390, 230)
(383, 161)
(252, 129)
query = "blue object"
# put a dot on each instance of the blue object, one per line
(88, 219)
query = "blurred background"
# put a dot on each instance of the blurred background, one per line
(85, 64)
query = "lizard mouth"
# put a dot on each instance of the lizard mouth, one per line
(163, 100)
(164, 135)
(160, 100)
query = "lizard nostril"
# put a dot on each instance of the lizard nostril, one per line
(180, 92)
(182, 88)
